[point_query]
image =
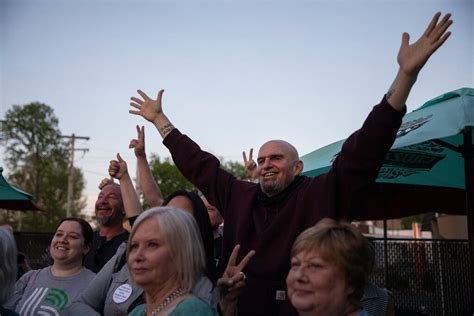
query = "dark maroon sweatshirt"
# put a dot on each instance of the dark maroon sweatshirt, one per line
(269, 225)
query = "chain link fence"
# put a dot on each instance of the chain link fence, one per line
(426, 277)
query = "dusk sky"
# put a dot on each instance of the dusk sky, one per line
(235, 73)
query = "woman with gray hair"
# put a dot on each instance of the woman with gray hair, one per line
(8, 268)
(165, 259)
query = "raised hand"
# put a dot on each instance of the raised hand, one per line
(138, 144)
(250, 166)
(147, 108)
(233, 280)
(118, 168)
(412, 57)
(106, 181)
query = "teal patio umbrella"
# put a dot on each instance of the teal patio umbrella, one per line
(425, 168)
(428, 169)
(12, 198)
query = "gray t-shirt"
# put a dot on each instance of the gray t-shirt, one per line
(39, 292)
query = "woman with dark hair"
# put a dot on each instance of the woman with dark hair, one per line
(199, 211)
(49, 290)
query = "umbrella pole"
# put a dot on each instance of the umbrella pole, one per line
(468, 154)
(385, 254)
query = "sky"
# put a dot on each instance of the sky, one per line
(235, 73)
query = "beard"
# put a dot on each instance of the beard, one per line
(110, 220)
(270, 187)
(104, 220)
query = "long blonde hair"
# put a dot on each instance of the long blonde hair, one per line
(180, 232)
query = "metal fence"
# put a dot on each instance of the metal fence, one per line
(36, 248)
(426, 277)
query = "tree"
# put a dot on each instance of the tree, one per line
(38, 163)
(234, 167)
(168, 176)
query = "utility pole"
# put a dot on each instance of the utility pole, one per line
(70, 184)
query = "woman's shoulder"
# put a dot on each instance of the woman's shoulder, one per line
(30, 276)
(192, 306)
(86, 273)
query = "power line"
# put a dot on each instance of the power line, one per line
(70, 184)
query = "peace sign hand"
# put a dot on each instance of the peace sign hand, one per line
(250, 166)
(138, 144)
(232, 281)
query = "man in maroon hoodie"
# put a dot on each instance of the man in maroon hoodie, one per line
(269, 215)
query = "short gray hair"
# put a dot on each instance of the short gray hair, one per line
(181, 233)
(8, 265)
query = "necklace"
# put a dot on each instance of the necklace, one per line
(177, 293)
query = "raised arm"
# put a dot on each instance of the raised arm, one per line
(118, 170)
(150, 188)
(152, 111)
(412, 58)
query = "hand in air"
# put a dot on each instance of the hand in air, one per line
(250, 166)
(147, 107)
(118, 168)
(412, 57)
(233, 279)
(138, 144)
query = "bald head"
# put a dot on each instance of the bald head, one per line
(278, 165)
(285, 146)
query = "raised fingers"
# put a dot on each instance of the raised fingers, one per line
(160, 95)
(136, 100)
(432, 24)
(233, 256)
(243, 263)
(244, 156)
(119, 158)
(143, 95)
(141, 133)
(441, 29)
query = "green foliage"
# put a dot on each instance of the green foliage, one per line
(168, 176)
(234, 167)
(38, 161)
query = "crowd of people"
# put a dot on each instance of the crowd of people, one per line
(287, 247)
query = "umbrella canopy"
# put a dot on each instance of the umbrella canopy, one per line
(425, 168)
(12, 198)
